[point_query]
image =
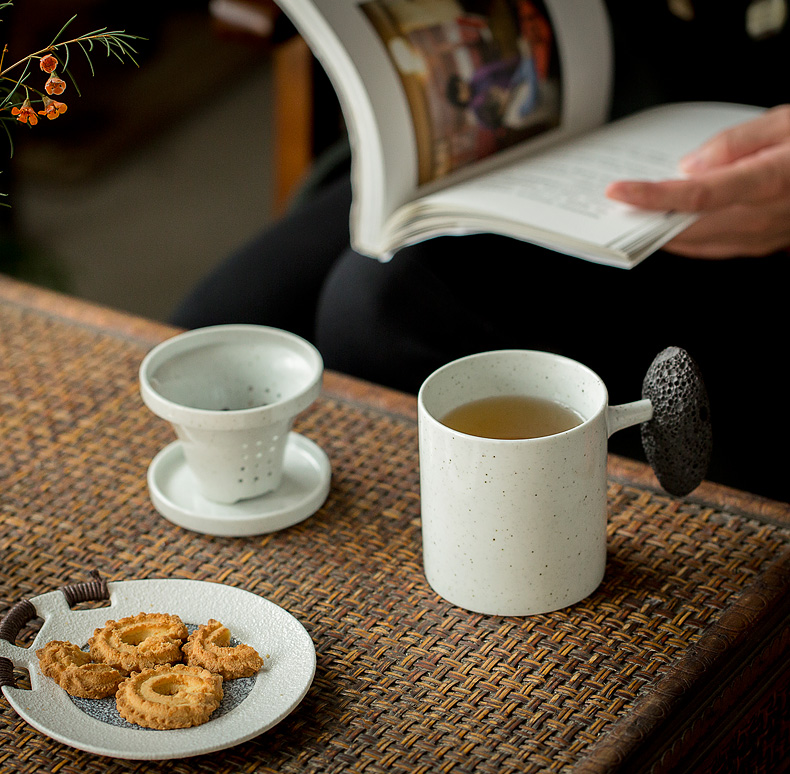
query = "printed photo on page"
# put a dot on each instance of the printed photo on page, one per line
(479, 75)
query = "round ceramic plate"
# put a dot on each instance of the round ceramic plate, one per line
(252, 705)
(305, 486)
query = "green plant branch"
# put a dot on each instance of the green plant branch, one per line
(112, 40)
(13, 107)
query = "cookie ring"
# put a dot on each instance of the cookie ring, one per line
(209, 647)
(164, 697)
(75, 672)
(139, 642)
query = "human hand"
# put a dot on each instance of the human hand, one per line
(739, 182)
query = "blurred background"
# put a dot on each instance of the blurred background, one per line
(156, 173)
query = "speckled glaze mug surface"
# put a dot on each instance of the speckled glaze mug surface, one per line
(232, 393)
(516, 527)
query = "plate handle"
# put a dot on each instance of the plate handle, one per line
(87, 591)
(24, 611)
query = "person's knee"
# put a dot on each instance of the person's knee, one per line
(350, 332)
(393, 323)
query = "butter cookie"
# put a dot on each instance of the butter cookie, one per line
(76, 672)
(139, 642)
(166, 696)
(209, 647)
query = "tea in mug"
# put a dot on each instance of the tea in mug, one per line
(511, 417)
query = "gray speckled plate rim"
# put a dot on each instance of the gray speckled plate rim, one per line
(279, 688)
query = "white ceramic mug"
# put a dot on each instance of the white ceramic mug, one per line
(232, 393)
(516, 527)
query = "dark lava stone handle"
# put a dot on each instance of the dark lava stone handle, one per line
(678, 439)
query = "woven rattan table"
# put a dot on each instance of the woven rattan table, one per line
(678, 662)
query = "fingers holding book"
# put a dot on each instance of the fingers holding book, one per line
(739, 182)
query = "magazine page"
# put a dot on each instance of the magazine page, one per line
(556, 197)
(433, 91)
(376, 114)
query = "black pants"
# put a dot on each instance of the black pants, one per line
(393, 323)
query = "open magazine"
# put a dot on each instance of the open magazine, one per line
(468, 116)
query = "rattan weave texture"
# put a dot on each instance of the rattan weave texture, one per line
(405, 682)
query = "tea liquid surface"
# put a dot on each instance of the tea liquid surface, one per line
(511, 417)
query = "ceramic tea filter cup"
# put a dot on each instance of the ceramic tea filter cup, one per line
(518, 527)
(231, 394)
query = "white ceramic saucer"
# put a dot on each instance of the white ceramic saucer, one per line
(304, 487)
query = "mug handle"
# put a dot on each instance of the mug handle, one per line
(675, 416)
(627, 414)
